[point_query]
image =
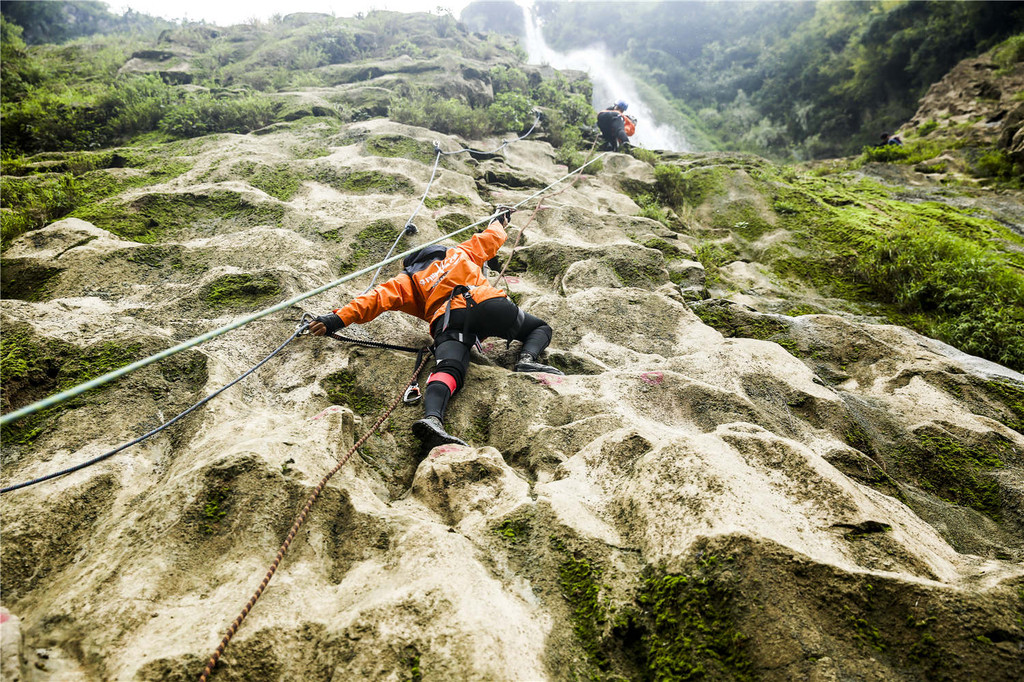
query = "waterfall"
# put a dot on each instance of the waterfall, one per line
(610, 81)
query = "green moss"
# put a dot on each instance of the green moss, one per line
(157, 257)
(152, 216)
(451, 222)
(741, 216)
(343, 389)
(578, 579)
(370, 245)
(362, 182)
(400, 146)
(279, 180)
(515, 531)
(446, 199)
(1012, 396)
(33, 368)
(690, 625)
(954, 472)
(634, 272)
(414, 674)
(26, 280)
(215, 508)
(241, 290)
(645, 155)
(671, 251)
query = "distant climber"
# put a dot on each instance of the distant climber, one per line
(616, 126)
(446, 287)
(888, 139)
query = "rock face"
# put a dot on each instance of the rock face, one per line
(981, 100)
(717, 489)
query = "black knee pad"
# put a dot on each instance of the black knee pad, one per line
(454, 368)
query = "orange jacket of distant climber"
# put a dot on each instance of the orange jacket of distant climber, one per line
(425, 294)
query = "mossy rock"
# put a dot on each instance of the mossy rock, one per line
(634, 266)
(279, 180)
(446, 199)
(34, 367)
(152, 217)
(362, 182)
(400, 146)
(343, 388)
(26, 279)
(955, 471)
(242, 290)
(733, 320)
(370, 245)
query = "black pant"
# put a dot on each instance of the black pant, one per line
(613, 128)
(493, 317)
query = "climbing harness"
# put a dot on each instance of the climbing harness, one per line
(299, 520)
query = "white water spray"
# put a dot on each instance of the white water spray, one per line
(611, 83)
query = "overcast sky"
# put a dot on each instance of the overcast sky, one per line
(227, 12)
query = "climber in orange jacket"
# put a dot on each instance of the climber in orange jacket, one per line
(446, 287)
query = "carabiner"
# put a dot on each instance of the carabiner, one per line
(412, 394)
(303, 325)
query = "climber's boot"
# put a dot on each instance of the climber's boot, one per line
(528, 363)
(431, 432)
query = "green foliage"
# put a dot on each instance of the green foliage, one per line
(978, 298)
(790, 79)
(449, 116)
(510, 111)
(671, 184)
(509, 79)
(31, 203)
(1009, 53)
(645, 155)
(998, 165)
(886, 153)
(204, 114)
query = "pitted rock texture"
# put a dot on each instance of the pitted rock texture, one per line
(712, 485)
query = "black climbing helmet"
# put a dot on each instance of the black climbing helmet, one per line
(418, 259)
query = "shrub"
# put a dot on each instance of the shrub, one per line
(886, 153)
(671, 184)
(509, 79)
(510, 111)
(449, 116)
(36, 203)
(975, 298)
(203, 114)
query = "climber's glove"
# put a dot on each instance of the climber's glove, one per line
(325, 324)
(504, 215)
(493, 264)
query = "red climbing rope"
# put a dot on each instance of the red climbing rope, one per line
(299, 520)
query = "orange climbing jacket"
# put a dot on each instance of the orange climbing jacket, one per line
(425, 293)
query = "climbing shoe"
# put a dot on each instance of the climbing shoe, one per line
(528, 363)
(431, 433)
